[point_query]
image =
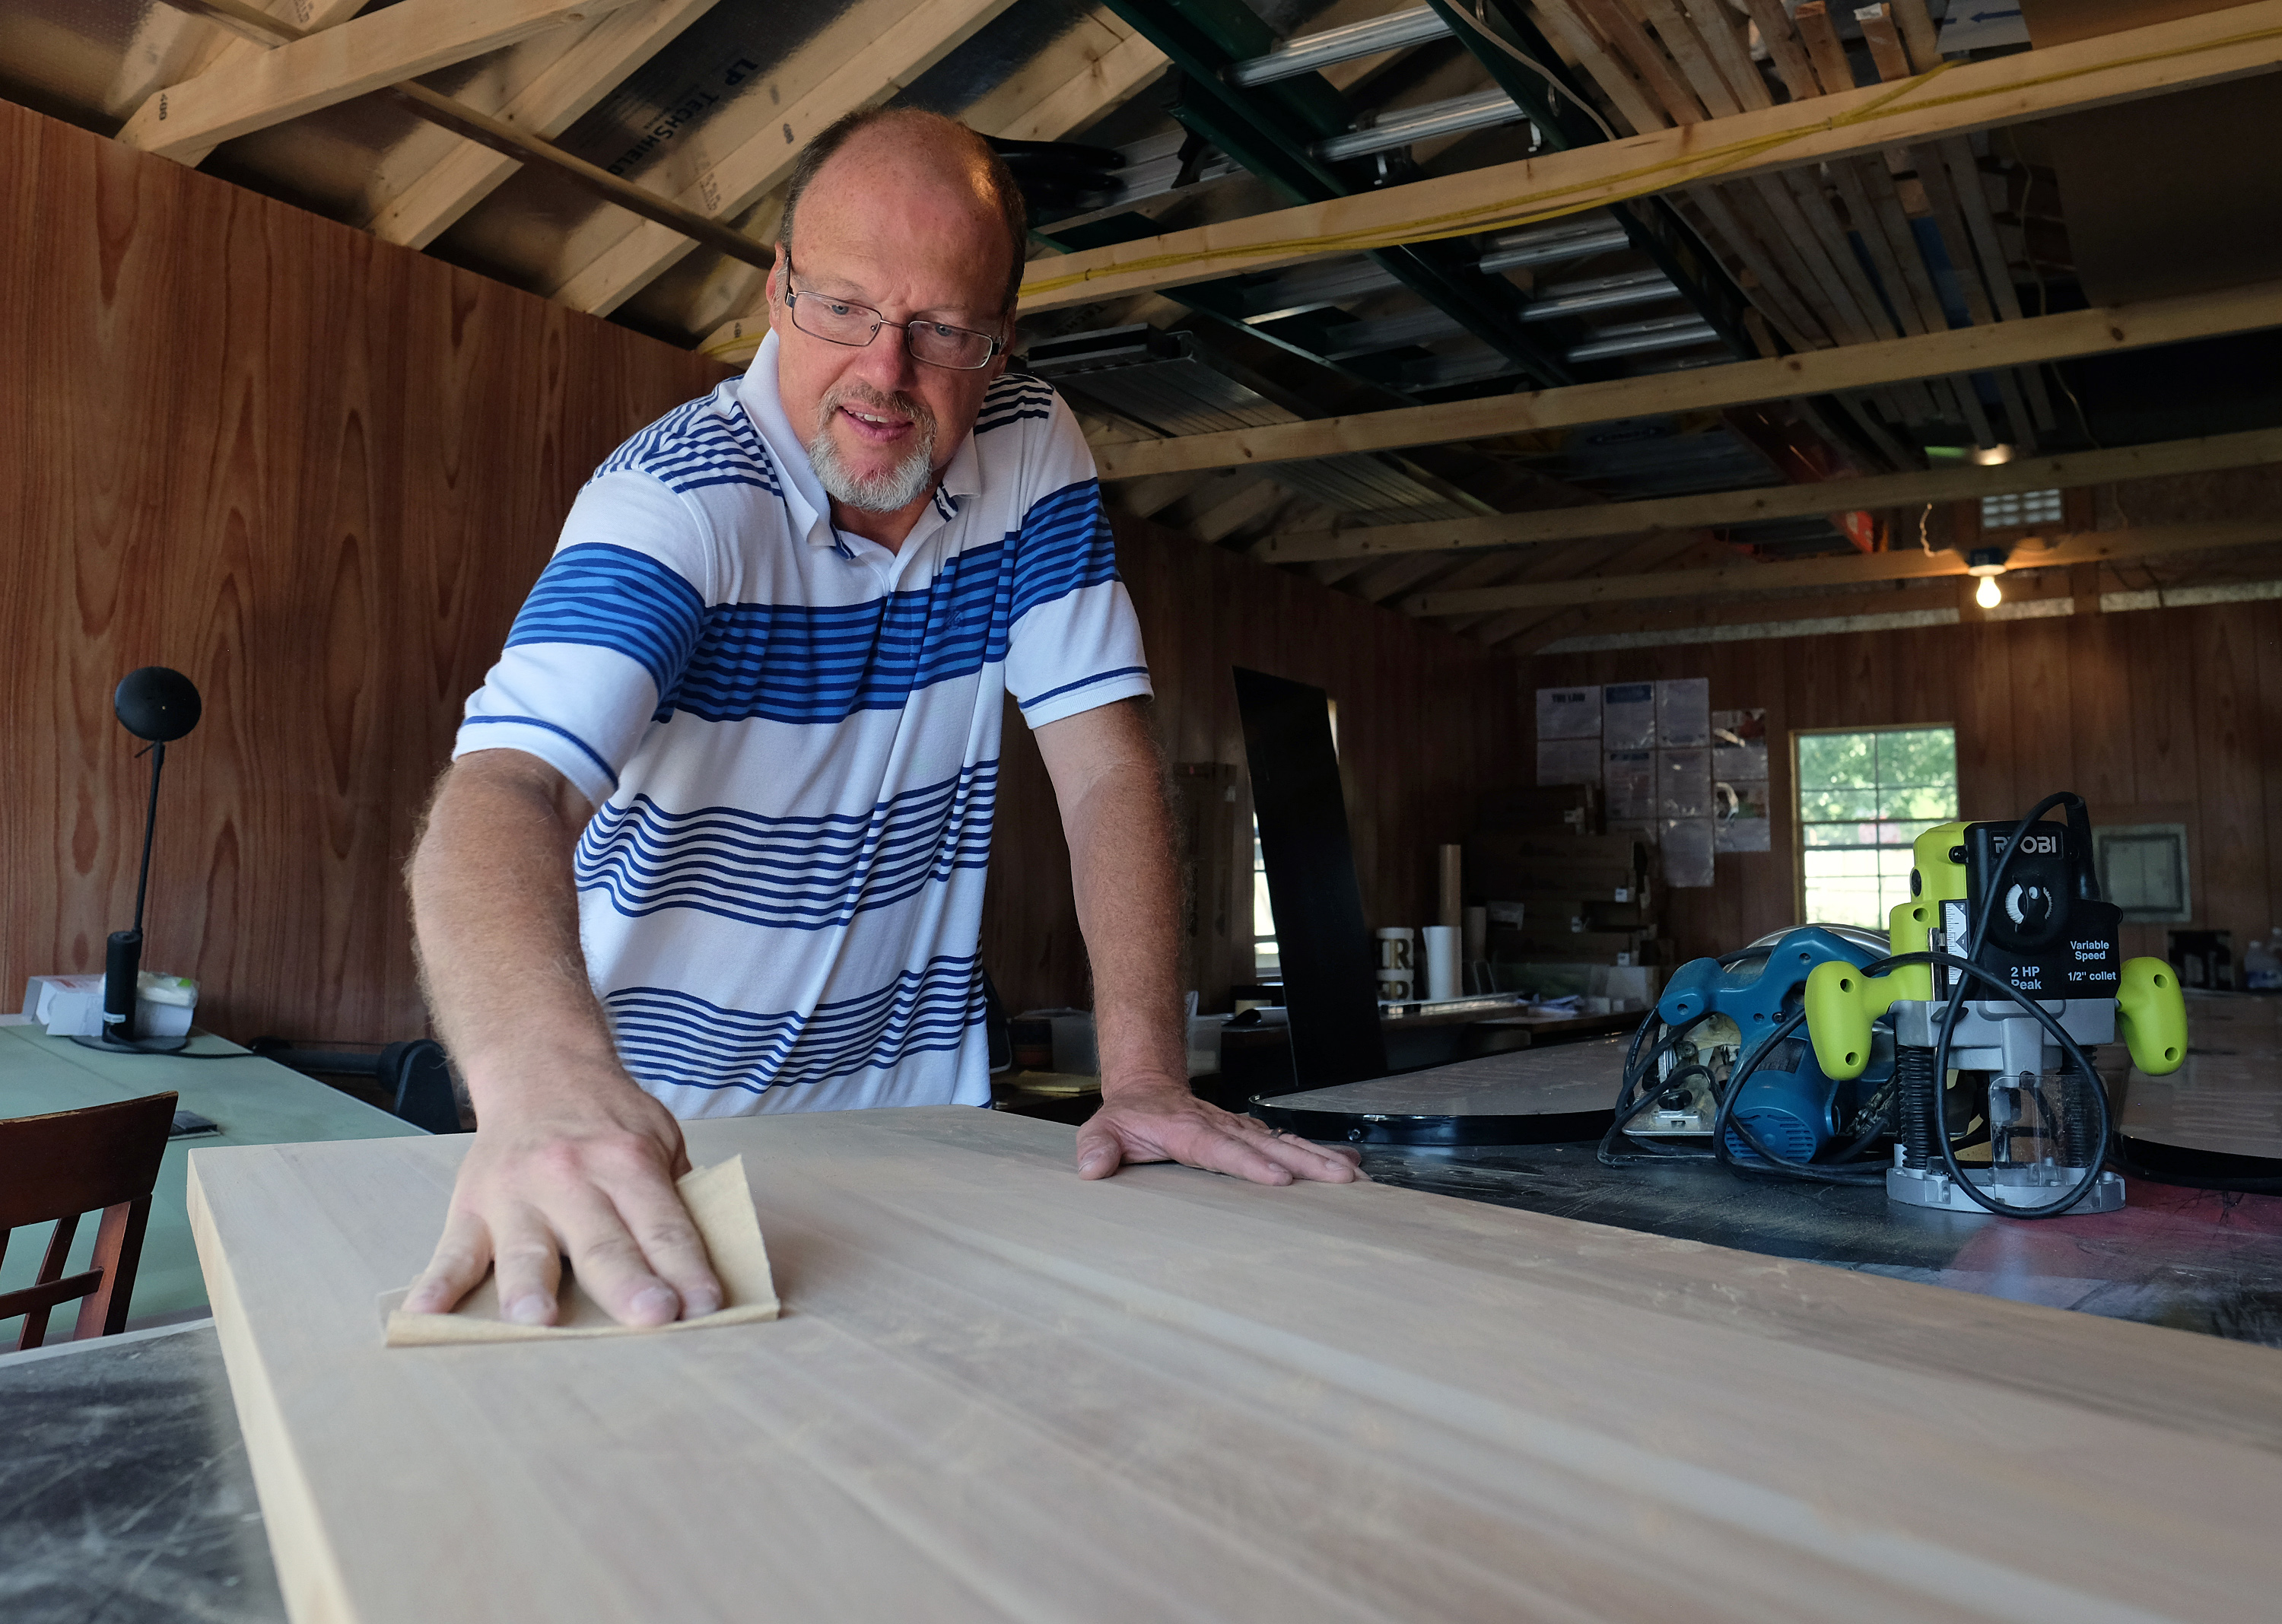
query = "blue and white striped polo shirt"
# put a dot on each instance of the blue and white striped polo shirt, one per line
(791, 734)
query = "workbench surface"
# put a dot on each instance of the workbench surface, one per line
(132, 1442)
(1171, 1353)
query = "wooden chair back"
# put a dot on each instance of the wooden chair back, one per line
(56, 1168)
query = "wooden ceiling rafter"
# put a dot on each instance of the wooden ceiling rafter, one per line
(2086, 547)
(510, 143)
(1071, 83)
(862, 59)
(417, 210)
(187, 120)
(1723, 508)
(172, 42)
(2033, 340)
(1838, 603)
(1881, 29)
(1792, 614)
(2126, 65)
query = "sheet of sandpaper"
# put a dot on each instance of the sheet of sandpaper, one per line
(721, 1205)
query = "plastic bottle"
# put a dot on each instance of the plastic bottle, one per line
(2261, 964)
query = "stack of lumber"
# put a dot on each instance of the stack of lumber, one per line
(999, 1392)
(1789, 237)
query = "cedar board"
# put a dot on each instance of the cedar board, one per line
(999, 1393)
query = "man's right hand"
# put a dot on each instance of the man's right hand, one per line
(571, 1158)
(587, 1175)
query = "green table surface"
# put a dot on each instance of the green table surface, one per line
(256, 1101)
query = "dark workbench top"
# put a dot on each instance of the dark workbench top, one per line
(125, 1494)
(2192, 1260)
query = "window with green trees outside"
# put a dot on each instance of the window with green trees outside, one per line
(1864, 796)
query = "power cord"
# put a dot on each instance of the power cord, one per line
(1872, 1121)
(1967, 965)
(1638, 1069)
(1555, 88)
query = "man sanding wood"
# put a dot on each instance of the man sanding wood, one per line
(714, 838)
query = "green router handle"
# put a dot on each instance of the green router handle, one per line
(1841, 1004)
(2153, 1012)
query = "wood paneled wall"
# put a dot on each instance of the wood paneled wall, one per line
(1427, 721)
(2153, 716)
(313, 472)
(317, 473)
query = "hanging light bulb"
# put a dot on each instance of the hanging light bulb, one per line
(1988, 563)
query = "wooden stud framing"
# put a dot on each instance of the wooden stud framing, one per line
(871, 52)
(1076, 90)
(2108, 68)
(507, 141)
(417, 211)
(1868, 366)
(365, 53)
(1054, 95)
(1720, 508)
(2088, 546)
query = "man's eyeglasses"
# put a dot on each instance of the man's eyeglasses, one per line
(838, 321)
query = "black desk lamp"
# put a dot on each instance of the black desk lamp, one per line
(160, 705)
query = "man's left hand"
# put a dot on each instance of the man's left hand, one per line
(1165, 1122)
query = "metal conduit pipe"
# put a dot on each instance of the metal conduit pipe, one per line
(1460, 114)
(1600, 294)
(1670, 332)
(1311, 51)
(1551, 244)
(1306, 289)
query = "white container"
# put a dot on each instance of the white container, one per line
(1442, 961)
(71, 1005)
(1394, 987)
(1395, 951)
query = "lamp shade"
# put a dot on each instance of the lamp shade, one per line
(157, 704)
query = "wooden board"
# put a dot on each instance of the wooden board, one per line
(998, 1392)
